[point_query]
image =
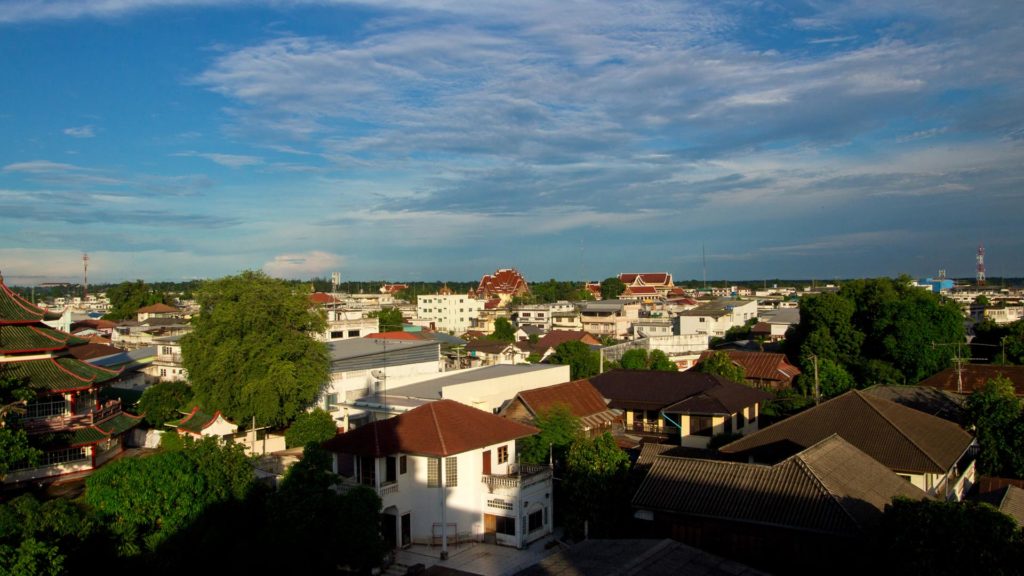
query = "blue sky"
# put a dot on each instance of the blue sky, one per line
(176, 139)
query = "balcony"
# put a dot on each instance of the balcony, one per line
(519, 476)
(60, 422)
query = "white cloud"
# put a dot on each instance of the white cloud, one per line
(80, 131)
(228, 160)
(39, 167)
(303, 265)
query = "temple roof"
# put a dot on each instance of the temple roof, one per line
(23, 338)
(59, 374)
(16, 310)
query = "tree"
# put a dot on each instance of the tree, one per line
(596, 477)
(982, 301)
(253, 351)
(660, 361)
(14, 445)
(558, 430)
(316, 426)
(639, 359)
(718, 363)
(833, 379)
(583, 362)
(503, 330)
(941, 538)
(995, 414)
(44, 538)
(388, 319)
(127, 297)
(611, 288)
(162, 402)
(147, 500)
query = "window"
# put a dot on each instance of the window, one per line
(353, 333)
(403, 465)
(433, 473)
(701, 426)
(499, 504)
(168, 350)
(332, 400)
(389, 469)
(728, 424)
(337, 334)
(37, 409)
(163, 371)
(535, 521)
(451, 471)
(502, 454)
(505, 526)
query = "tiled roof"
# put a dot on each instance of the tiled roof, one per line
(440, 428)
(830, 487)
(59, 374)
(15, 309)
(760, 365)
(945, 405)
(579, 396)
(195, 421)
(554, 338)
(394, 335)
(656, 279)
(640, 291)
(487, 346)
(121, 422)
(504, 281)
(87, 352)
(158, 308)
(902, 438)
(974, 377)
(1012, 504)
(649, 557)
(87, 435)
(15, 338)
(683, 392)
(321, 298)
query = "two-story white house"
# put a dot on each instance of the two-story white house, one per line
(167, 366)
(447, 473)
(714, 319)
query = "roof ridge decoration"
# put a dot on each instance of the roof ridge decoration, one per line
(867, 400)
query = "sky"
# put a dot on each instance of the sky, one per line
(443, 139)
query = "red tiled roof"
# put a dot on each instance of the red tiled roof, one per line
(579, 395)
(94, 323)
(492, 304)
(392, 288)
(640, 291)
(157, 309)
(440, 428)
(974, 377)
(321, 298)
(554, 338)
(760, 365)
(394, 335)
(90, 351)
(645, 279)
(504, 281)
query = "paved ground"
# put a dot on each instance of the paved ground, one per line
(477, 558)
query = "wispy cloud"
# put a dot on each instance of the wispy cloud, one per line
(304, 265)
(228, 160)
(40, 167)
(81, 131)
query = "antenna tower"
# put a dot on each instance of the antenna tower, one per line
(981, 264)
(85, 275)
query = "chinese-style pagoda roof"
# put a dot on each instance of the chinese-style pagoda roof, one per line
(16, 310)
(59, 374)
(24, 338)
(195, 421)
(119, 423)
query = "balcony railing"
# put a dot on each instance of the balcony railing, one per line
(388, 489)
(519, 475)
(64, 421)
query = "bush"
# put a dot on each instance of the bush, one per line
(311, 427)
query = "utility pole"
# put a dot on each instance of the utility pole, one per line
(817, 394)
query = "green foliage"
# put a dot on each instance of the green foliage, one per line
(162, 402)
(388, 319)
(253, 350)
(170, 441)
(999, 343)
(786, 403)
(146, 500)
(14, 445)
(740, 332)
(596, 477)
(833, 379)
(553, 291)
(639, 359)
(127, 297)
(612, 288)
(940, 538)
(558, 430)
(43, 538)
(583, 362)
(995, 414)
(316, 427)
(982, 300)
(719, 364)
(503, 330)
(880, 331)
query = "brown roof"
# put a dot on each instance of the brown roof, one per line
(487, 346)
(830, 487)
(157, 309)
(440, 428)
(677, 392)
(902, 438)
(580, 396)
(321, 298)
(554, 338)
(760, 365)
(945, 405)
(640, 291)
(394, 335)
(659, 278)
(92, 350)
(974, 377)
(1012, 504)
(504, 281)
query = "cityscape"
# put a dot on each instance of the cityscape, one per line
(534, 289)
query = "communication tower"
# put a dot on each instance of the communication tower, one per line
(981, 264)
(85, 275)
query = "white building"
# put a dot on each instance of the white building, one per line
(611, 318)
(453, 313)
(714, 319)
(447, 473)
(167, 366)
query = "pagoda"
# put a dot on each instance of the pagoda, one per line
(66, 419)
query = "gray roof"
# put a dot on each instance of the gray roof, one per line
(941, 403)
(431, 389)
(717, 308)
(831, 487)
(781, 316)
(647, 557)
(1012, 504)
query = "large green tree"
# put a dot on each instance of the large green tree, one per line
(503, 330)
(162, 402)
(639, 359)
(253, 351)
(596, 478)
(612, 288)
(46, 538)
(583, 362)
(127, 297)
(995, 414)
(388, 319)
(719, 364)
(558, 430)
(316, 426)
(14, 445)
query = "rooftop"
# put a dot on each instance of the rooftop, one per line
(678, 392)
(432, 388)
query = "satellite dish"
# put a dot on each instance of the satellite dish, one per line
(377, 374)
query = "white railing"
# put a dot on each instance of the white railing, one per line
(388, 489)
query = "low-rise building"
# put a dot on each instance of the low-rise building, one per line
(609, 318)
(715, 318)
(447, 312)
(168, 365)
